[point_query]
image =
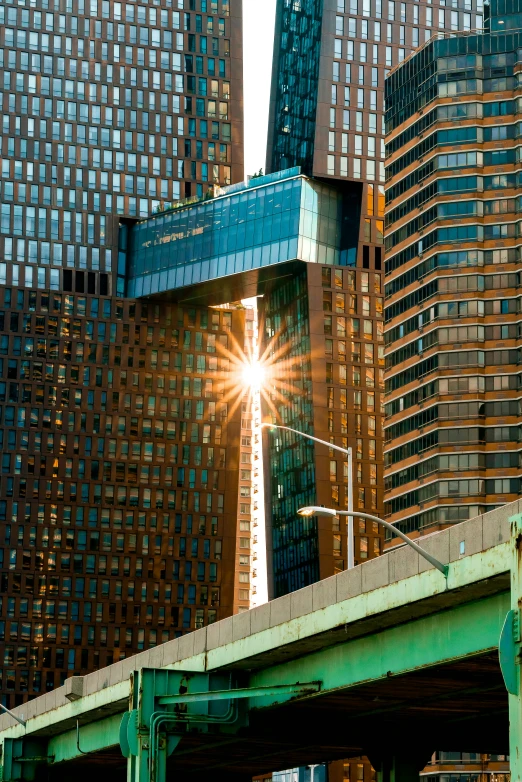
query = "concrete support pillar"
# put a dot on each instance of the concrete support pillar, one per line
(399, 765)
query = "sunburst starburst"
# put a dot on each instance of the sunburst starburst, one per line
(270, 374)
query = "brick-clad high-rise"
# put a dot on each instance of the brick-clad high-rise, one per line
(452, 282)
(452, 278)
(119, 474)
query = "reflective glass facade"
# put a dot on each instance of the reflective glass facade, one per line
(327, 106)
(321, 335)
(333, 371)
(295, 82)
(292, 470)
(261, 225)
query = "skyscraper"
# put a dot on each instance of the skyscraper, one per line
(330, 61)
(308, 314)
(452, 276)
(115, 533)
(452, 258)
(327, 115)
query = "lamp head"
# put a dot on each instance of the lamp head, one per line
(315, 510)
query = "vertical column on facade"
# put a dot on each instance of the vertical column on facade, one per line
(512, 671)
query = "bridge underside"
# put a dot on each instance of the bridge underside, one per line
(462, 705)
(394, 673)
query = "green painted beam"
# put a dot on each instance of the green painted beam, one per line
(409, 591)
(419, 643)
(292, 690)
(93, 737)
(454, 634)
(457, 633)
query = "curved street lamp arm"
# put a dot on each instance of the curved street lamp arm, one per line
(18, 719)
(346, 451)
(432, 560)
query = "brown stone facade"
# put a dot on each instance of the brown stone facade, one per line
(120, 462)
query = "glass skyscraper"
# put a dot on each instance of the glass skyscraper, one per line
(327, 115)
(331, 58)
(117, 516)
(327, 102)
(292, 240)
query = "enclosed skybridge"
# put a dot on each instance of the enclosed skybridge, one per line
(230, 246)
(391, 659)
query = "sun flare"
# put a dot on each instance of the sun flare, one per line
(253, 374)
(271, 373)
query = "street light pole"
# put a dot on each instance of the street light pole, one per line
(350, 543)
(315, 510)
(346, 451)
(350, 553)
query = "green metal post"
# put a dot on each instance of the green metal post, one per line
(138, 765)
(512, 632)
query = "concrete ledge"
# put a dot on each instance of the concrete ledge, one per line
(324, 593)
(171, 652)
(496, 525)
(280, 610)
(349, 584)
(465, 539)
(301, 602)
(260, 618)
(375, 573)
(127, 667)
(155, 656)
(186, 646)
(200, 641)
(404, 563)
(116, 672)
(225, 631)
(73, 688)
(241, 626)
(213, 636)
(438, 546)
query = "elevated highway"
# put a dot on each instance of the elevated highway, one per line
(391, 660)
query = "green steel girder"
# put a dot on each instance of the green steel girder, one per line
(165, 704)
(510, 652)
(149, 732)
(463, 631)
(21, 758)
(88, 739)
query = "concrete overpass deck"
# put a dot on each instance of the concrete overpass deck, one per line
(390, 660)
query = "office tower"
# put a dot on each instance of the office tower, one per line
(110, 542)
(452, 276)
(286, 237)
(330, 61)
